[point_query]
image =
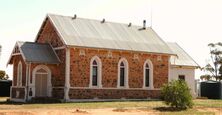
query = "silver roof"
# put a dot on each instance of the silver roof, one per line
(38, 53)
(182, 59)
(108, 35)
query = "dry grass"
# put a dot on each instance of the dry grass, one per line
(201, 106)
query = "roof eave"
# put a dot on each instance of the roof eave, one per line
(43, 62)
(16, 44)
(187, 66)
(70, 46)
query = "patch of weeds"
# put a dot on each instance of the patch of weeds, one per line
(120, 109)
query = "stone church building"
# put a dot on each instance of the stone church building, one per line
(75, 59)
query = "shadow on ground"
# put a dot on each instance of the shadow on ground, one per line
(10, 103)
(168, 109)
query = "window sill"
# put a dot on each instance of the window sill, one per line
(148, 88)
(123, 87)
(100, 86)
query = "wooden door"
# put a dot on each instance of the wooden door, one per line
(41, 85)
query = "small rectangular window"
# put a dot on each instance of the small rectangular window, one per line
(181, 77)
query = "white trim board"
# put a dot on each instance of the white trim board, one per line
(67, 75)
(106, 100)
(114, 88)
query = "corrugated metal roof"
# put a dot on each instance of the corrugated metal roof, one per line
(108, 35)
(38, 53)
(182, 59)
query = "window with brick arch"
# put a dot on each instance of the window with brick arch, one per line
(19, 74)
(122, 73)
(95, 72)
(148, 74)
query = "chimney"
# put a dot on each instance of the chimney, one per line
(103, 21)
(129, 25)
(74, 17)
(144, 24)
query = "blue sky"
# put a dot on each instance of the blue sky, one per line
(191, 23)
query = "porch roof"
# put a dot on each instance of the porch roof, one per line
(37, 53)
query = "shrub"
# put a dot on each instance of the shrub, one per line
(177, 94)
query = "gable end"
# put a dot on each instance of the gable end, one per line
(49, 34)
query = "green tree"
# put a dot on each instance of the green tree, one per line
(205, 77)
(177, 94)
(214, 67)
(3, 75)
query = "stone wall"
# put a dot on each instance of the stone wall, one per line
(80, 67)
(48, 34)
(80, 74)
(112, 94)
(20, 91)
(58, 93)
(16, 60)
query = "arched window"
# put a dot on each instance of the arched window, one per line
(123, 73)
(148, 74)
(95, 72)
(19, 74)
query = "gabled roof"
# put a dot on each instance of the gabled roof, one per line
(37, 53)
(108, 35)
(182, 59)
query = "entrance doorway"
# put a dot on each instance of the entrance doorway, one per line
(41, 84)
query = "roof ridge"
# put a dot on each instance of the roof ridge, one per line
(48, 14)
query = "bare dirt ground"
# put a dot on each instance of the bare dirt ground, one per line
(201, 107)
(107, 111)
(217, 111)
